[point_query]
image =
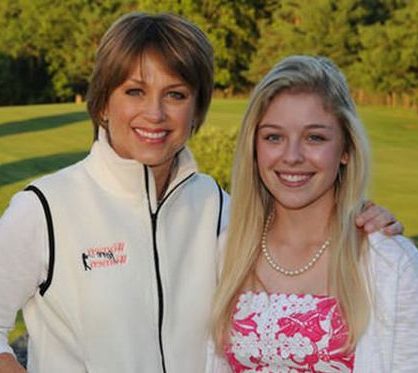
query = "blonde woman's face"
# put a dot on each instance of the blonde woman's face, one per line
(299, 150)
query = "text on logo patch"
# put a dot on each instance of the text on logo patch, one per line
(107, 256)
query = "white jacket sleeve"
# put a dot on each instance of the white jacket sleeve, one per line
(215, 363)
(23, 258)
(223, 231)
(405, 345)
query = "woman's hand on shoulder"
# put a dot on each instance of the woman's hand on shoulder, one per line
(8, 364)
(375, 218)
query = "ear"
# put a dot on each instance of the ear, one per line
(344, 158)
(104, 116)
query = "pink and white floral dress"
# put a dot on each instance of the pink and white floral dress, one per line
(287, 333)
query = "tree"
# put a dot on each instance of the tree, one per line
(50, 54)
(231, 28)
(63, 39)
(23, 73)
(389, 59)
(75, 29)
(278, 31)
(324, 27)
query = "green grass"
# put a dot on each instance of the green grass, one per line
(19, 329)
(35, 140)
(39, 139)
(394, 138)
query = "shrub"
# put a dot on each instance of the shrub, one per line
(214, 150)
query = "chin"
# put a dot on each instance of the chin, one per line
(294, 206)
(321, 201)
(147, 159)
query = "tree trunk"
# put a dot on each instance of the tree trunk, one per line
(406, 101)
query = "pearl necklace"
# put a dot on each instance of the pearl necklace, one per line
(277, 267)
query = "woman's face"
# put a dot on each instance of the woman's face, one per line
(150, 115)
(299, 149)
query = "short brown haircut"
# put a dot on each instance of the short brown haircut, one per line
(182, 45)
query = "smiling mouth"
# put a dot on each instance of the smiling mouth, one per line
(294, 179)
(152, 136)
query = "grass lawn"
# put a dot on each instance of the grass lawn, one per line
(394, 138)
(39, 139)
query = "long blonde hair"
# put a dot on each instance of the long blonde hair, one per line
(252, 203)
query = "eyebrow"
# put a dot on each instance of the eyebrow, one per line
(308, 126)
(174, 85)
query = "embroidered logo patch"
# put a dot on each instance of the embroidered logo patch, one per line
(108, 256)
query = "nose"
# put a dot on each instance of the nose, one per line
(293, 153)
(153, 110)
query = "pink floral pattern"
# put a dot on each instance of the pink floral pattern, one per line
(288, 333)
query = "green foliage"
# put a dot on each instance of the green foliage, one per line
(86, 23)
(20, 32)
(276, 33)
(231, 27)
(47, 47)
(19, 329)
(33, 84)
(214, 149)
(65, 36)
(390, 52)
(23, 72)
(323, 27)
(373, 41)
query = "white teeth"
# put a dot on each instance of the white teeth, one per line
(292, 178)
(150, 135)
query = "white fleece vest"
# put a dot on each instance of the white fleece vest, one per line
(125, 293)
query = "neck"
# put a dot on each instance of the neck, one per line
(303, 226)
(162, 174)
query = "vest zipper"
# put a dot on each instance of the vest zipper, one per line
(159, 287)
(154, 217)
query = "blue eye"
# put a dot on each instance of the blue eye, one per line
(134, 92)
(176, 95)
(273, 137)
(316, 138)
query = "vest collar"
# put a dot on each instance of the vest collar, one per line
(128, 177)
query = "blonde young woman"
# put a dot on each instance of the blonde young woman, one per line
(302, 289)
